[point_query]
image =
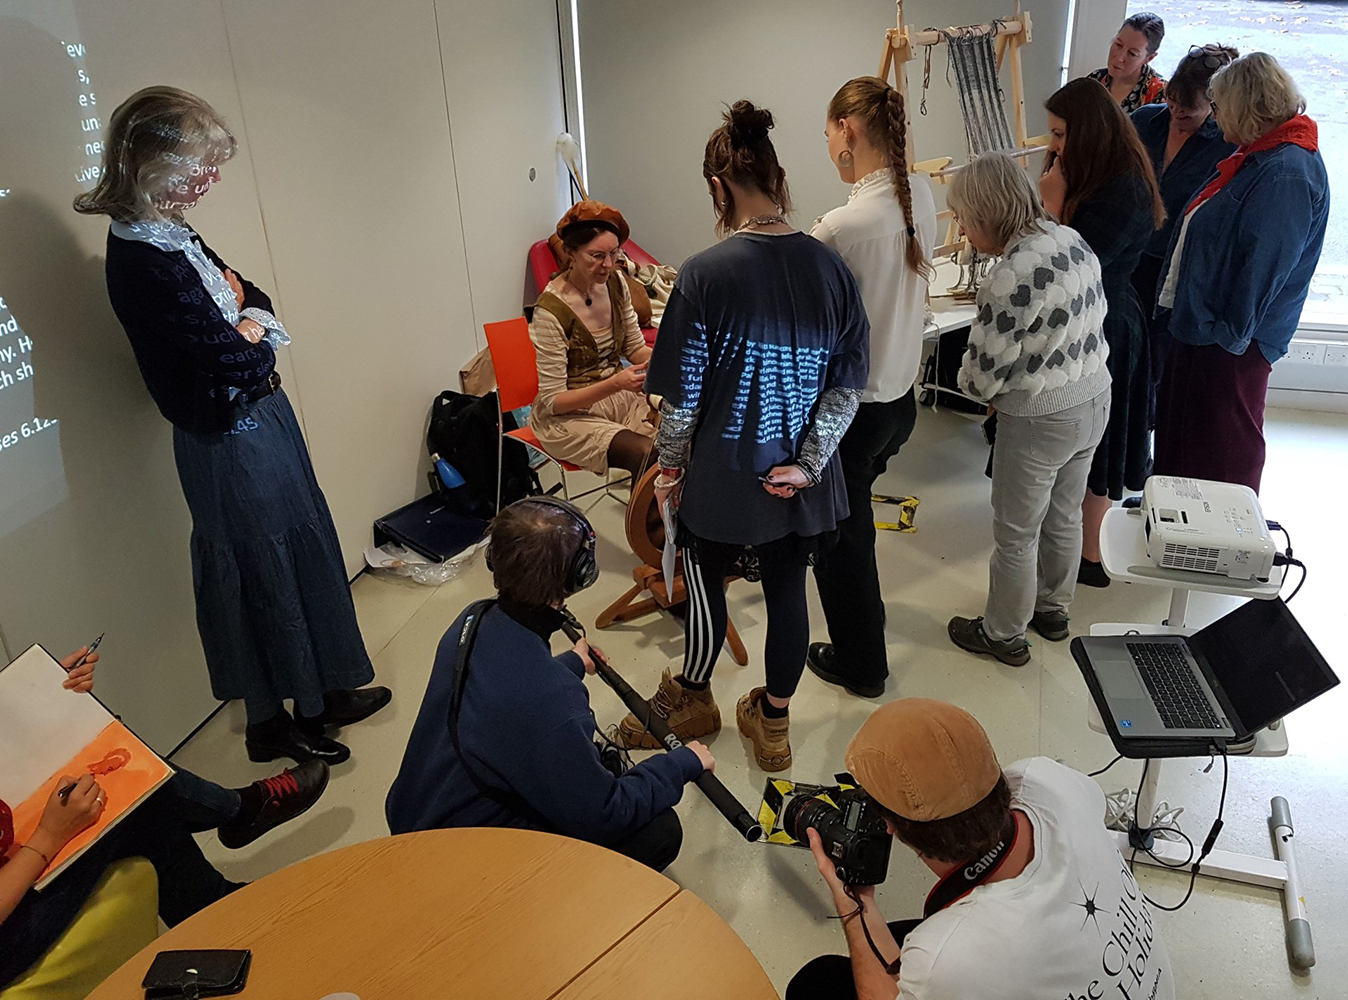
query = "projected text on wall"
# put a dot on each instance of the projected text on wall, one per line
(32, 475)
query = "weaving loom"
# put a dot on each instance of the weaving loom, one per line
(974, 61)
(975, 56)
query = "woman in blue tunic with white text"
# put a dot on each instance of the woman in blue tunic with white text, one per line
(762, 357)
(273, 605)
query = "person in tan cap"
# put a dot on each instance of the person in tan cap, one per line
(1035, 900)
(591, 410)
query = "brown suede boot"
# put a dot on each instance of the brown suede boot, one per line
(690, 714)
(770, 737)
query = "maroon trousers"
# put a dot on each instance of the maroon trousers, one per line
(1210, 414)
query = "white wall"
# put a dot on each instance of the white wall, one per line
(656, 75)
(113, 556)
(344, 121)
(1097, 22)
(344, 202)
(503, 80)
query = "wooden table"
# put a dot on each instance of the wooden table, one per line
(468, 913)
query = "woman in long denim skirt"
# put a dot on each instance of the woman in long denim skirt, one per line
(273, 604)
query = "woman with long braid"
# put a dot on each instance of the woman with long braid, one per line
(885, 234)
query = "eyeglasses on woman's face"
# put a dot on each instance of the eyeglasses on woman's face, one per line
(601, 257)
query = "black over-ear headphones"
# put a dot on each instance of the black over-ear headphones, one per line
(584, 568)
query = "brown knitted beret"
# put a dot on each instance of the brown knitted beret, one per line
(594, 213)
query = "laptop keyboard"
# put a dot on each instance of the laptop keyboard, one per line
(1174, 690)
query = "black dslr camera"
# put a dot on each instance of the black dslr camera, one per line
(849, 825)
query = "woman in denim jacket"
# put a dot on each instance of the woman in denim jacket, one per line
(1237, 274)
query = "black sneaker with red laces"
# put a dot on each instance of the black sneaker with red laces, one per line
(266, 804)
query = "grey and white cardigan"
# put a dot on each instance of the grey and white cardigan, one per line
(1038, 345)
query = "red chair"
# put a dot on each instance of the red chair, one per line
(516, 364)
(543, 265)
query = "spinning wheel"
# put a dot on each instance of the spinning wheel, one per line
(646, 536)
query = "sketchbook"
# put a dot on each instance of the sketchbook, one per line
(48, 733)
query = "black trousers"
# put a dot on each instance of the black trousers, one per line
(847, 576)
(656, 844)
(829, 977)
(160, 830)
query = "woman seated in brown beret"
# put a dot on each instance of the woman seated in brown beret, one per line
(591, 410)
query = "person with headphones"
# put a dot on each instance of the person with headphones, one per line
(505, 735)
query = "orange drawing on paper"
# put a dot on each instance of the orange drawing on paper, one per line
(112, 761)
(126, 771)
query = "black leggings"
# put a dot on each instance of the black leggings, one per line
(829, 977)
(705, 568)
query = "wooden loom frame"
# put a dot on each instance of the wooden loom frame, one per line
(900, 49)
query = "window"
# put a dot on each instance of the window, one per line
(1307, 37)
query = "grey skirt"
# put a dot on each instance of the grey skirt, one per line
(273, 603)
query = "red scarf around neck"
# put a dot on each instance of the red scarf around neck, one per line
(1300, 131)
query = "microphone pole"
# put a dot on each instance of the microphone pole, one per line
(721, 797)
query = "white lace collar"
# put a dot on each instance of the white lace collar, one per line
(881, 176)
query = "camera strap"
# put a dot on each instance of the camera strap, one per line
(955, 886)
(969, 876)
(509, 801)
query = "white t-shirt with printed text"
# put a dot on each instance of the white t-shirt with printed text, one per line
(1072, 926)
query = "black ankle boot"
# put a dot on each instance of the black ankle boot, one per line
(345, 708)
(822, 659)
(281, 737)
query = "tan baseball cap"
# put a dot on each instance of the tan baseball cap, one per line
(923, 759)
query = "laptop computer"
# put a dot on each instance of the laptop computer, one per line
(1178, 696)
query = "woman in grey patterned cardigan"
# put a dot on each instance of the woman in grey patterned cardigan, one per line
(1037, 357)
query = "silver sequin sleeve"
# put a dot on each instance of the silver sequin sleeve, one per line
(837, 407)
(674, 439)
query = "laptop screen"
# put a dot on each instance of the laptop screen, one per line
(1264, 661)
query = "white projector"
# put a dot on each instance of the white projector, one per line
(1207, 527)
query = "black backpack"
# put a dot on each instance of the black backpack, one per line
(942, 380)
(463, 432)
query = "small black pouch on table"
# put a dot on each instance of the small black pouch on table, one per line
(192, 974)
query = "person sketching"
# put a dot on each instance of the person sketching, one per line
(273, 606)
(159, 829)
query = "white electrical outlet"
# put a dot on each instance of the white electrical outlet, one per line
(1336, 355)
(1302, 353)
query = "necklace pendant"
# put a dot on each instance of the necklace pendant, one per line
(589, 301)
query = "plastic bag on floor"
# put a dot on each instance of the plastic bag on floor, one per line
(398, 561)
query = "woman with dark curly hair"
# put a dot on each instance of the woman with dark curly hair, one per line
(761, 362)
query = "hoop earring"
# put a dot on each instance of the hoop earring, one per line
(845, 158)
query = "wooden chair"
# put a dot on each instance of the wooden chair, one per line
(646, 536)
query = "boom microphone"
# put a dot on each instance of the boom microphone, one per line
(721, 797)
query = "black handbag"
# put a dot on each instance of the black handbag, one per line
(190, 975)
